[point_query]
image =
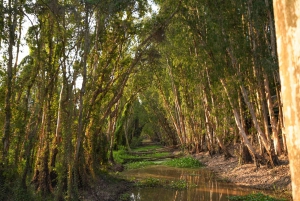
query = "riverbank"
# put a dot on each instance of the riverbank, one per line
(107, 188)
(110, 186)
(277, 179)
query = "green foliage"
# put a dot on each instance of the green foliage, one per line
(171, 184)
(185, 162)
(158, 155)
(254, 197)
(119, 155)
(21, 194)
(179, 185)
(124, 197)
(133, 161)
(136, 141)
(147, 148)
(139, 164)
(150, 182)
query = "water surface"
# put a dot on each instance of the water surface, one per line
(206, 187)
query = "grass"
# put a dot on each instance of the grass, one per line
(139, 164)
(158, 155)
(148, 148)
(185, 162)
(134, 161)
(169, 184)
(122, 156)
(254, 197)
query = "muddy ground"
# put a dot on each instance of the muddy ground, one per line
(277, 179)
(107, 188)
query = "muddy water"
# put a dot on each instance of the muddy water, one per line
(206, 187)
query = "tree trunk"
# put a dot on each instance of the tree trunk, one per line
(178, 111)
(12, 22)
(273, 121)
(240, 127)
(287, 18)
(259, 131)
(280, 115)
(80, 128)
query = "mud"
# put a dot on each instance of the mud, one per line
(277, 179)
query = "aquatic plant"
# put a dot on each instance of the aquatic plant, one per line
(139, 164)
(185, 162)
(164, 183)
(254, 197)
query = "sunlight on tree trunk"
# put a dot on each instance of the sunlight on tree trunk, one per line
(287, 21)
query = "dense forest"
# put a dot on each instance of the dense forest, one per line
(103, 75)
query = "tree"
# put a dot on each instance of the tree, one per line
(287, 19)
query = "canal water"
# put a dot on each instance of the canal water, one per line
(205, 187)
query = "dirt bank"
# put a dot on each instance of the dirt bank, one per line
(106, 188)
(277, 179)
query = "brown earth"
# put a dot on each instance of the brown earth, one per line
(107, 188)
(277, 179)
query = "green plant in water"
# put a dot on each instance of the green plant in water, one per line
(140, 164)
(178, 185)
(124, 197)
(154, 182)
(185, 162)
(254, 197)
(150, 182)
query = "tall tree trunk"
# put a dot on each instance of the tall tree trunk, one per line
(80, 128)
(277, 146)
(262, 136)
(41, 178)
(272, 30)
(287, 19)
(12, 23)
(178, 110)
(168, 108)
(239, 125)
(280, 115)
(111, 131)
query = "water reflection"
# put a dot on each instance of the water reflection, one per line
(207, 188)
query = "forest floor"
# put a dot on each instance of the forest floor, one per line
(277, 179)
(107, 188)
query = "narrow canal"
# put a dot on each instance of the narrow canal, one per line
(202, 183)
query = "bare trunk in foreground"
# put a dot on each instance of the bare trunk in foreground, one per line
(287, 21)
